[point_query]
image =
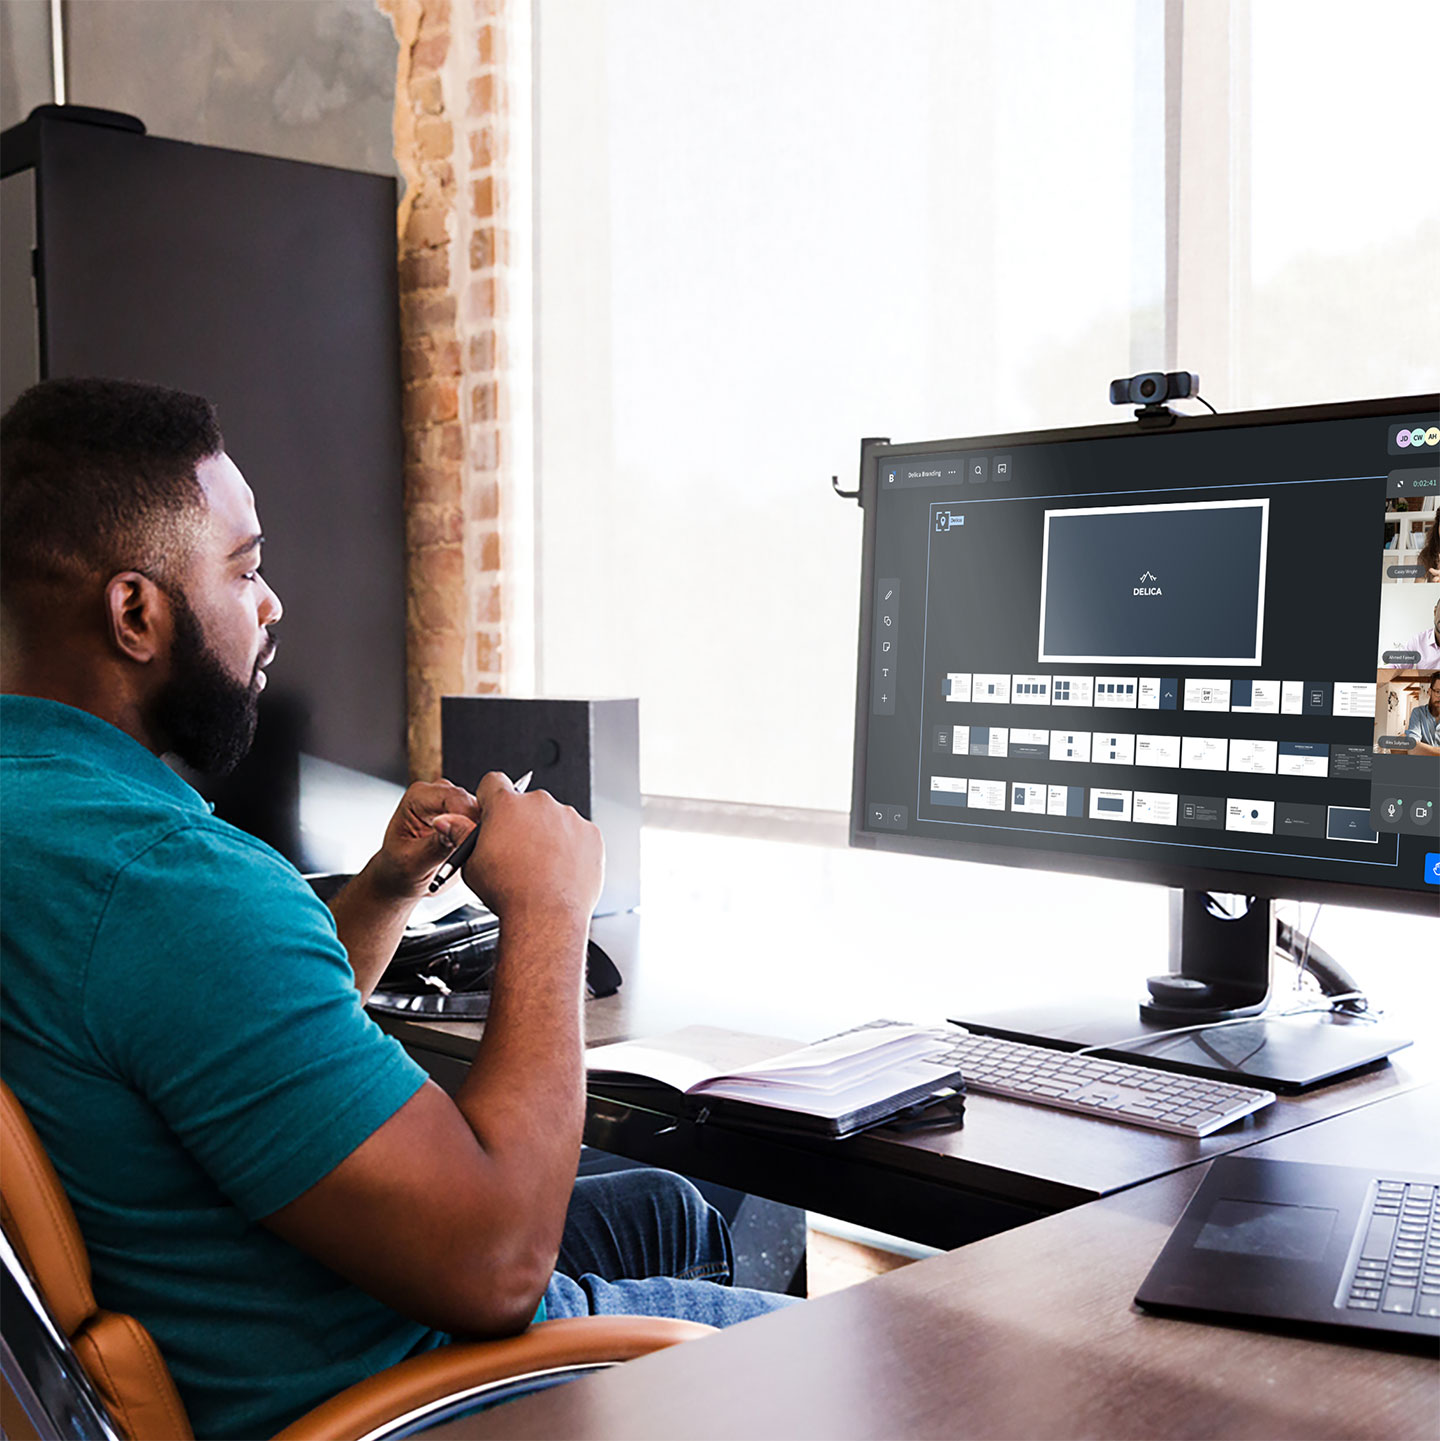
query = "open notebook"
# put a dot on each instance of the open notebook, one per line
(835, 1087)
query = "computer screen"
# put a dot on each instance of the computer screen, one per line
(1198, 653)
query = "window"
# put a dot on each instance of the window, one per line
(765, 230)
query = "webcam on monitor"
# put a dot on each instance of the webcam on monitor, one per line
(1154, 387)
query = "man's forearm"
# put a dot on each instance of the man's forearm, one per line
(524, 1097)
(371, 921)
(529, 1063)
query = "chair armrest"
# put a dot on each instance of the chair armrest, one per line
(466, 1365)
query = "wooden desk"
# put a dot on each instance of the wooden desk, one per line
(1028, 1334)
(1010, 1164)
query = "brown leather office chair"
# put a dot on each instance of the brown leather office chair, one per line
(104, 1372)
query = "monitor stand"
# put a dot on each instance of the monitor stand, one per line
(1220, 957)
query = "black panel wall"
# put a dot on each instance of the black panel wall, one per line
(269, 286)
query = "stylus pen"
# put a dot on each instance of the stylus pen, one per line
(462, 852)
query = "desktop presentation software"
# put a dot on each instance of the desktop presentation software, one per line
(1160, 653)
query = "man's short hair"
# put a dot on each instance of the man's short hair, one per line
(98, 477)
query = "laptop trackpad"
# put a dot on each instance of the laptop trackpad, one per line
(1257, 1228)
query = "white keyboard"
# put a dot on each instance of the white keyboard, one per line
(1093, 1086)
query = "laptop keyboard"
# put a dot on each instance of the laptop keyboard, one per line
(1398, 1269)
(1093, 1086)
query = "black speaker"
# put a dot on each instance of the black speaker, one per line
(586, 753)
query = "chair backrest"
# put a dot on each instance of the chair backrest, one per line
(44, 1391)
(118, 1354)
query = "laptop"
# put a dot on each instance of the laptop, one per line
(1340, 1247)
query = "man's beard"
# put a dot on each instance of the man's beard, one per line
(205, 716)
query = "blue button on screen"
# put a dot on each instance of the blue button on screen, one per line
(1432, 868)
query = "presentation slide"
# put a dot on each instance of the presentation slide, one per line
(1172, 584)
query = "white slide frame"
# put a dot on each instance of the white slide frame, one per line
(1251, 503)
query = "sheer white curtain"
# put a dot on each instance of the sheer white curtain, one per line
(1344, 211)
(766, 228)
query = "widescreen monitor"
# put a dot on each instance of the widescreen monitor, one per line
(1192, 651)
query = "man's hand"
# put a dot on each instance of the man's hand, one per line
(430, 821)
(370, 913)
(533, 855)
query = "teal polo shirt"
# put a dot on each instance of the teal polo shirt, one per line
(181, 1023)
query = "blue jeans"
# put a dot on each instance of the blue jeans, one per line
(647, 1243)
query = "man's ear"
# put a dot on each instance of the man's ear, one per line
(138, 615)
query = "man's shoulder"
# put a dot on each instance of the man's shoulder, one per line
(73, 782)
(200, 838)
(67, 809)
(203, 866)
(89, 850)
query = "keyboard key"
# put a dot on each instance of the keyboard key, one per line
(1363, 1305)
(1378, 1238)
(1399, 1301)
(1203, 1118)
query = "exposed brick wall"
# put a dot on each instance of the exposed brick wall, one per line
(451, 141)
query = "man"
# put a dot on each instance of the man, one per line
(1424, 726)
(1426, 644)
(263, 1178)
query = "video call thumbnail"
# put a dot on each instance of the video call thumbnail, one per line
(1411, 544)
(1407, 712)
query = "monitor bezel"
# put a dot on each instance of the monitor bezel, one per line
(1177, 875)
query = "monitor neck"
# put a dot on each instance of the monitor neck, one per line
(1220, 949)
